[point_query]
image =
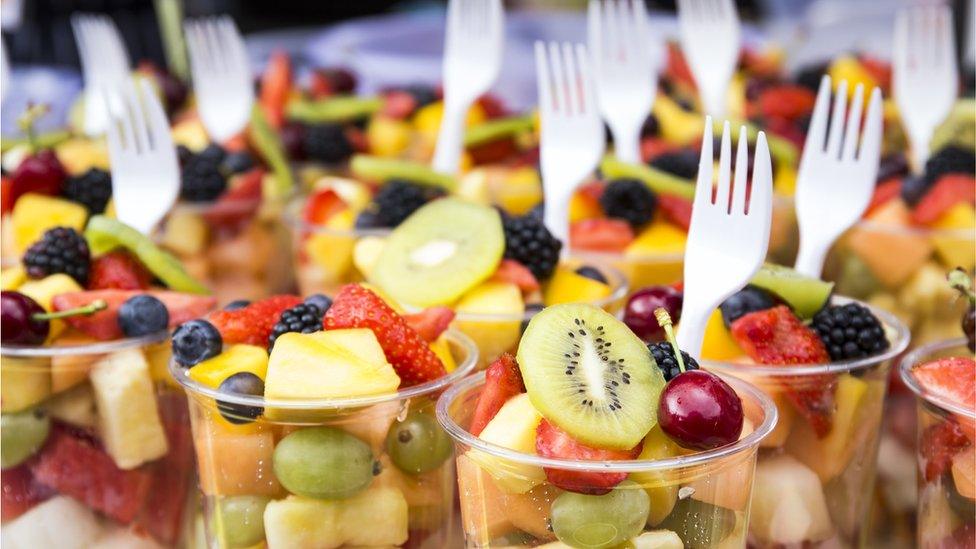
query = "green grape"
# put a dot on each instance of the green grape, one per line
(323, 463)
(600, 522)
(22, 434)
(417, 444)
(242, 520)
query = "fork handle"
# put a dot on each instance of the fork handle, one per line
(810, 259)
(691, 332)
(450, 137)
(626, 142)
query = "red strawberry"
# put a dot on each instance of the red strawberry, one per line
(253, 324)
(884, 192)
(77, 467)
(20, 492)
(675, 209)
(104, 324)
(239, 203)
(503, 380)
(553, 442)
(510, 270)
(776, 336)
(492, 105)
(118, 270)
(939, 443)
(785, 101)
(356, 307)
(677, 68)
(276, 87)
(321, 205)
(398, 104)
(953, 379)
(6, 194)
(652, 147)
(431, 322)
(948, 191)
(493, 151)
(601, 235)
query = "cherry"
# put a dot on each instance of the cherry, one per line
(639, 312)
(293, 137)
(24, 322)
(41, 171)
(960, 280)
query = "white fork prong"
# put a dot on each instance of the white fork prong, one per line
(104, 63)
(710, 40)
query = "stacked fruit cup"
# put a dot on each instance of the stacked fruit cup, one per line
(378, 466)
(946, 462)
(816, 469)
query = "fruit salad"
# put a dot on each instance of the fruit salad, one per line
(591, 438)
(96, 446)
(943, 376)
(313, 421)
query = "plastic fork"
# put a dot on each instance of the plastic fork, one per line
(835, 180)
(145, 170)
(4, 70)
(221, 75)
(473, 47)
(623, 68)
(925, 80)
(729, 235)
(572, 139)
(710, 41)
(104, 65)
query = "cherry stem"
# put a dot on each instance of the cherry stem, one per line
(26, 123)
(664, 319)
(90, 309)
(960, 281)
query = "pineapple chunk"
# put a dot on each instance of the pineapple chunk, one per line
(494, 298)
(332, 252)
(35, 213)
(186, 233)
(361, 342)
(659, 238)
(58, 522)
(130, 425)
(43, 291)
(788, 503)
(512, 427)
(24, 382)
(235, 359)
(566, 286)
(75, 406)
(11, 278)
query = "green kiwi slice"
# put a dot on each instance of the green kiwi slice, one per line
(333, 109)
(104, 234)
(268, 144)
(440, 252)
(494, 130)
(804, 294)
(589, 374)
(657, 180)
(375, 168)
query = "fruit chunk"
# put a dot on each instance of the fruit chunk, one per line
(483, 514)
(939, 443)
(600, 522)
(234, 461)
(323, 463)
(235, 359)
(503, 380)
(956, 249)
(660, 487)
(494, 300)
(806, 295)
(34, 214)
(510, 270)
(75, 406)
(104, 325)
(366, 252)
(185, 233)
(602, 396)
(658, 238)
(513, 427)
(430, 323)
(22, 435)
(947, 192)
(24, 382)
(659, 181)
(553, 442)
(441, 251)
(20, 493)
(718, 343)
(567, 286)
(118, 270)
(953, 379)
(252, 324)
(331, 250)
(892, 253)
(373, 168)
(601, 235)
(964, 472)
(59, 522)
(788, 504)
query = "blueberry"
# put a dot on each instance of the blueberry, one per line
(322, 301)
(238, 162)
(213, 152)
(142, 315)
(241, 383)
(196, 341)
(592, 273)
(367, 219)
(748, 300)
(913, 188)
(236, 304)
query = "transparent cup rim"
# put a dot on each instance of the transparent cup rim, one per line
(195, 388)
(750, 441)
(98, 348)
(901, 339)
(914, 358)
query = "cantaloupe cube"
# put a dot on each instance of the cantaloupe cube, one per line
(234, 460)
(889, 248)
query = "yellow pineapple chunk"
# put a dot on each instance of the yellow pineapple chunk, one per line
(234, 359)
(567, 286)
(493, 337)
(513, 427)
(35, 213)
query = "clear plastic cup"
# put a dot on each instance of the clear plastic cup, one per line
(96, 445)
(277, 480)
(700, 499)
(946, 456)
(814, 484)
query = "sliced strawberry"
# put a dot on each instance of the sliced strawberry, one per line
(431, 322)
(948, 191)
(252, 324)
(118, 270)
(675, 209)
(592, 190)
(884, 192)
(398, 104)
(503, 380)
(275, 87)
(776, 336)
(322, 205)
(553, 442)
(601, 235)
(939, 443)
(20, 492)
(492, 105)
(953, 379)
(493, 151)
(879, 69)
(510, 270)
(677, 68)
(104, 324)
(412, 358)
(75, 466)
(785, 101)
(357, 138)
(653, 147)
(240, 203)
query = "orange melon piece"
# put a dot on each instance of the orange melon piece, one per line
(482, 506)
(891, 252)
(964, 472)
(234, 460)
(70, 370)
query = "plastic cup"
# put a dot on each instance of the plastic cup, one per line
(946, 475)
(96, 446)
(271, 480)
(506, 500)
(814, 477)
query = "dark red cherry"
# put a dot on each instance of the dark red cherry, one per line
(639, 312)
(18, 327)
(40, 172)
(699, 411)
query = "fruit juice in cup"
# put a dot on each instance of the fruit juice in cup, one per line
(942, 375)
(371, 470)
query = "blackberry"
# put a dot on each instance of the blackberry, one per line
(651, 126)
(949, 160)
(663, 354)
(810, 75)
(396, 201)
(214, 153)
(891, 165)
(849, 331)
(683, 163)
(237, 162)
(747, 300)
(303, 318)
(60, 250)
(201, 176)
(326, 143)
(530, 243)
(913, 188)
(630, 200)
(92, 189)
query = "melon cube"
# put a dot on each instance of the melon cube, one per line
(234, 460)
(58, 522)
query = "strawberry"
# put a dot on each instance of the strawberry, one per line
(493, 151)
(357, 307)
(510, 270)
(879, 69)
(431, 322)
(948, 191)
(398, 104)
(785, 101)
(953, 379)
(677, 69)
(652, 147)
(118, 270)
(6, 194)
(939, 443)
(20, 492)
(492, 105)
(503, 380)
(276, 87)
(238, 204)
(104, 324)
(601, 235)
(776, 336)
(321, 205)
(553, 442)
(675, 209)
(76, 466)
(253, 324)
(884, 192)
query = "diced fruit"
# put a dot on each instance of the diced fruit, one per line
(892, 253)
(323, 463)
(510, 270)
(104, 325)
(75, 406)
(34, 214)
(953, 379)
(254, 323)
(366, 252)
(19, 493)
(240, 520)
(602, 521)
(234, 359)
(12, 278)
(321, 205)
(659, 181)
(24, 382)
(718, 343)
(431, 323)
(513, 427)
(947, 192)
(373, 168)
(568, 286)
(964, 472)
(497, 299)
(553, 442)
(806, 295)
(601, 235)
(529, 512)
(43, 291)
(442, 348)
(678, 126)
(23, 434)
(118, 270)
(341, 108)
(956, 248)
(234, 460)
(331, 250)
(185, 233)
(503, 380)
(121, 538)
(59, 522)
(675, 209)
(662, 489)
(239, 203)
(883, 193)
(938, 444)
(483, 513)
(658, 238)
(276, 82)
(387, 137)
(417, 444)
(788, 504)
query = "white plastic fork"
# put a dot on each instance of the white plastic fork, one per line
(925, 79)
(145, 170)
(473, 46)
(624, 70)
(221, 75)
(572, 139)
(835, 180)
(710, 41)
(104, 65)
(4, 70)
(728, 236)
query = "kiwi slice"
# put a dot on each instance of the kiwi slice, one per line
(374, 168)
(104, 234)
(589, 374)
(333, 109)
(804, 294)
(440, 252)
(268, 144)
(500, 128)
(658, 180)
